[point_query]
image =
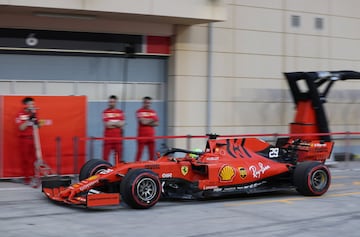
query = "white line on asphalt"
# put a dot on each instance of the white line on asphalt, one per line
(16, 189)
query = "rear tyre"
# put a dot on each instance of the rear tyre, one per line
(93, 167)
(140, 188)
(312, 178)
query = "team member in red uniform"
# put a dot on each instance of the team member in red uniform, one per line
(114, 120)
(147, 121)
(25, 120)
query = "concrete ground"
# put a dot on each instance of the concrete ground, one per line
(26, 212)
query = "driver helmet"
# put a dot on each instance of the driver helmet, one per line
(195, 156)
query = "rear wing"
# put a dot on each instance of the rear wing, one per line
(310, 115)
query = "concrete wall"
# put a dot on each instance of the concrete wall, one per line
(189, 11)
(252, 48)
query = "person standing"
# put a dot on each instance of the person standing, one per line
(25, 120)
(114, 120)
(147, 121)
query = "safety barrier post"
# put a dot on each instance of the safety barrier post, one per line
(275, 137)
(188, 141)
(76, 154)
(58, 155)
(91, 148)
(347, 148)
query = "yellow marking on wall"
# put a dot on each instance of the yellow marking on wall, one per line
(356, 183)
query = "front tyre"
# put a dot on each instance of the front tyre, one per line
(93, 167)
(140, 188)
(312, 178)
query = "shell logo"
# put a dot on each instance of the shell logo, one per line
(226, 173)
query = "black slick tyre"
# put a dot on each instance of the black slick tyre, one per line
(93, 167)
(312, 178)
(140, 188)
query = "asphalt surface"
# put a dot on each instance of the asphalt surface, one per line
(26, 212)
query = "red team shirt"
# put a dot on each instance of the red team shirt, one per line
(145, 130)
(113, 115)
(26, 145)
(23, 117)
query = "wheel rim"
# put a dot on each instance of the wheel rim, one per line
(319, 180)
(146, 189)
(100, 171)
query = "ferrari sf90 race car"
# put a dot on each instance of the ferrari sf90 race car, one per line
(226, 165)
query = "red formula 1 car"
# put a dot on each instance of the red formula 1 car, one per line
(227, 165)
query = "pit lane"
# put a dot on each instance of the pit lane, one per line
(26, 212)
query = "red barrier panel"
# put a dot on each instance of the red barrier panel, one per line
(63, 116)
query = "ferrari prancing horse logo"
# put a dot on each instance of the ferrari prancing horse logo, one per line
(184, 170)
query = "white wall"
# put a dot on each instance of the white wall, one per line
(184, 10)
(252, 49)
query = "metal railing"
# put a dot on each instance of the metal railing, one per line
(347, 145)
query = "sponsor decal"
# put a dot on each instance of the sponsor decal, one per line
(258, 171)
(226, 173)
(24, 117)
(146, 114)
(212, 158)
(167, 175)
(91, 178)
(210, 187)
(114, 120)
(184, 170)
(239, 188)
(152, 167)
(112, 115)
(76, 185)
(243, 172)
(89, 185)
(319, 145)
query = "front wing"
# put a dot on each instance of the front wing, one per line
(59, 189)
